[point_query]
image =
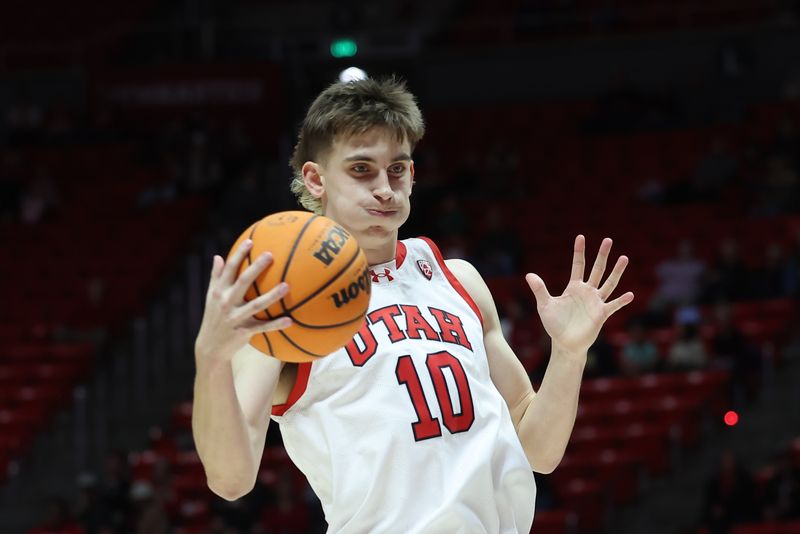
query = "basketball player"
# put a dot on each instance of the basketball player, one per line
(426, 421)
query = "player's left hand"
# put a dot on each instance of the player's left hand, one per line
(573, 320)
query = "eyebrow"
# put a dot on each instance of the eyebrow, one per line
(363, 157)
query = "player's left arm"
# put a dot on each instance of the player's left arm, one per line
(544, 419)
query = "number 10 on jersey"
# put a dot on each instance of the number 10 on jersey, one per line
(426, 425)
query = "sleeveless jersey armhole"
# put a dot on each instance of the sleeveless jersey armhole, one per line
(452, 279)
(299, 387)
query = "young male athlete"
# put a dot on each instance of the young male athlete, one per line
(426, 421)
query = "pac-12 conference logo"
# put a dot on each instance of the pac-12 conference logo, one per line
(425, 267)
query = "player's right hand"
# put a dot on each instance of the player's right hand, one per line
(228, 322)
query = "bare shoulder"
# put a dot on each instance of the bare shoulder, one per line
(459, 267)
(256, 372)
(473, 282)
(250, 360)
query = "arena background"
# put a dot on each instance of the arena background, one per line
(138, 138)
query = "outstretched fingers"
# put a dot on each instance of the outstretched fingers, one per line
(257, 326)
(615, 305)
(613, 279)
(262, 302)
(578, 259)
(599, 267)
(232, 265)
(249, 276)
(539, 289)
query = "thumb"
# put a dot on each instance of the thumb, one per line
(539, 289)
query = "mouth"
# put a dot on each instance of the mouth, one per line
(381, 213)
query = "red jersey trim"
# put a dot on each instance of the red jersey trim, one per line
(400, 254)
(453, 280)
(300, 385)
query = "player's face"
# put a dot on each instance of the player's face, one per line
(367, 182)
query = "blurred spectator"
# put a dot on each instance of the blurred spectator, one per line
(91, 325)
(468, 176)
(679, 277)
(89, 509)
(688, 314)
(237, 150)
(288, 514)
(714, 171)
(787, 141)
(203, 169)
(452, 219)
(218, 526)
(601, 358)
(245, 201)
(57, 519)
(639, 355)
(11, 185)
(626, 107)
(149, 515)
(38, 199)
(728, 279)
(115, 488)
(730, 496)
(651, 190)
(791, 86)
(687, 351)
(778, 191)
(499, 250)
(735, 352)
(163, 484)
(523, 330)
(24, 120)
(502, 162)
(772, 279)
(793, 266)
(781, 499)
(457, 246)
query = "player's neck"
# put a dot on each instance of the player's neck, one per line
(378, 253)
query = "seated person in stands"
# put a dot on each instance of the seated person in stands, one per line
(687, 351)
(730, 496)
(781, 497)
(639, 355)
(679, 277)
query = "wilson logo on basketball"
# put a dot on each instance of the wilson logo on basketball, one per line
(346, 294)
(328, 249)
(387, 274)
(426, 269)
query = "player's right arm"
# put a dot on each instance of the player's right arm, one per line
(234, 383)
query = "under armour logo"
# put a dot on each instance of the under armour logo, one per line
(385, 274)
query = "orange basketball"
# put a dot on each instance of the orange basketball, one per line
(329, 284)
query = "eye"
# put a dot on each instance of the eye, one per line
(360, 168)
(400, 168)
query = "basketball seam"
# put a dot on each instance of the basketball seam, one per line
(322, 288)
(294, 249)
(298, 347)
(287, 311)
(324, 326)
(255, 287)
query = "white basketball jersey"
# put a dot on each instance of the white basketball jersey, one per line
(403, 430)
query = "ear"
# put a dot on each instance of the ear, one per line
(412, 175)
(312, 178)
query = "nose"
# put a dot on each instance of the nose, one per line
(381, 188)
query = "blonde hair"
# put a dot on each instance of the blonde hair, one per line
(352, 108)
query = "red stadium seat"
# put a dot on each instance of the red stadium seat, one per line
(553, 522)
(767, 528)
(589, 502)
